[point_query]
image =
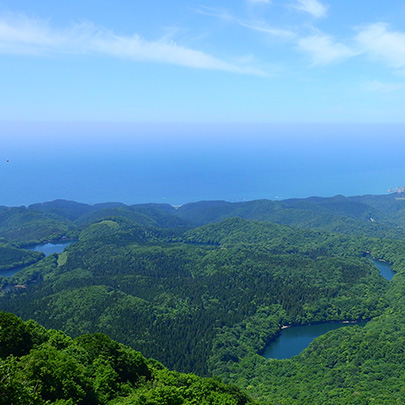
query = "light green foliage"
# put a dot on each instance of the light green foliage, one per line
(346, 366)
(14, 337)
(100, 230)
(93, 369)
(26, 226)
(208, 300)
(12, 257)
(173, 300)
(36, 272)
(13, 389)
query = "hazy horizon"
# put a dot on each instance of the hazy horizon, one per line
(177, 164)
(194, 100)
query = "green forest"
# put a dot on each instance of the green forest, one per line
(202, 289)
(39, 366)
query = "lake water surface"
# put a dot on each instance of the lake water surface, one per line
(47, 249)
(294, 340)
(11, 272)
(385, 269)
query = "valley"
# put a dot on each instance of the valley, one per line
(205, 288)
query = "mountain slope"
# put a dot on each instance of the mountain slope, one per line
(39, 367)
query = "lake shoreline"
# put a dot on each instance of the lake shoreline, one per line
(297, 326)
(65, 241)
(383, 266)
(50, 248)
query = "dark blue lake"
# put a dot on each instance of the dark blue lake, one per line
(294, 340)
(11, 272)
(385, 269)
(47, 249)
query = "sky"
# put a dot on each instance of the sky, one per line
(202, 60)
(180, 101)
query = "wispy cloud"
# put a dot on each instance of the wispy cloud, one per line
(254, 25)
(323, 50)
(220, 13)
(313, 7)
(259, 1)
(376, 86)
(382, 44)
(22, 35)
(262, 27)
(375, 41)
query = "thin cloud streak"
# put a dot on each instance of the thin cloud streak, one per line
(256, 26)
(376, 86)
(375, 41)
(259, 1)
(313, 7)
(21, 35)
(382, 44)
(323, 50)
(252, 25)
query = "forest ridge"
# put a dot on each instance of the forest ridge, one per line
(204, 287)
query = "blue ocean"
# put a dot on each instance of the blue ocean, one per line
(180, 163)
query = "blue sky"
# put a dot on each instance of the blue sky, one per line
(202, 61)
(178, 101)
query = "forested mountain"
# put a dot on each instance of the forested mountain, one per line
(204, 287)
(380, 216)
(377, 215)
(349, 215)
(39, 366)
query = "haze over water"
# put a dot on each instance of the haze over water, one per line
(176, 164)
(126, 101)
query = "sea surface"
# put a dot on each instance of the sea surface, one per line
(177, 164)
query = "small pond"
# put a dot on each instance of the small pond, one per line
(294, 340)
(385, 269)
(11, 272)
(47, 249)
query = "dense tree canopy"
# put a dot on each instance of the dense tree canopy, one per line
(203, 299)
(42, 367)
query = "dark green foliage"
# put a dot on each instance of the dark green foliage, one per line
(172, 301)
(26, 226)
(143, 215)
(208, 300)
(14, 337)
(70, 210)
(35, 273)
(55, 375)
(128, 365)
(93, 369)
(346, 366)
(336, 214)
(380, 216)
(12, 257)
(14, 390)
(177, 389)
